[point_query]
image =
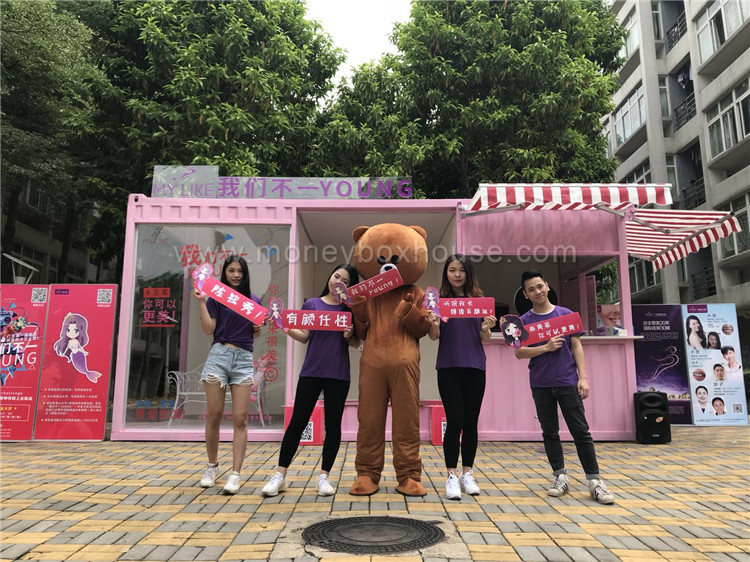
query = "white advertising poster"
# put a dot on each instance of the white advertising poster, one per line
(712, 345)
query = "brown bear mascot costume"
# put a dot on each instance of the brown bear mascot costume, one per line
(390, 325)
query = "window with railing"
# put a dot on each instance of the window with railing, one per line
(642, 174)
(630, 24)
(737, 242)
(684, 112)
(729, 120)
(703, 283)
(718, 22)
(694, 194)
(630, 116)
(677, 31)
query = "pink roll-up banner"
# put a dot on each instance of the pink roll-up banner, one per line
(23, 311)
(75, 373)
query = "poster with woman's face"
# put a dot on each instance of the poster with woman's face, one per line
(712, 346)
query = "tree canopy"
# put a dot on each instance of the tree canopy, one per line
(485, 91)
(97, 93)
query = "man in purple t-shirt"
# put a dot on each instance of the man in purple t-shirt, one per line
(557, 372)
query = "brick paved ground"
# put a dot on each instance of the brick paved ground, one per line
(689, 500)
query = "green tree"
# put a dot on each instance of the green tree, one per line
(236, 84)
(487, 91)
(44, 66)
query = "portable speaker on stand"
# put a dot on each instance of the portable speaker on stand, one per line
(652, 417)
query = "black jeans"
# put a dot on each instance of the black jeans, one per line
(571, 406)
(462, 391)
(334, 399)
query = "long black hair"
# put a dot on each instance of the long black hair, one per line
(244, 287)
(700, 332)
(471, 286)
(350, 269)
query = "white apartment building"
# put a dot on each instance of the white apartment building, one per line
(682, 116)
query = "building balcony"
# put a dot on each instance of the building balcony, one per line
(694, 195)
(684, 112)
(703, 284)
(676, 32)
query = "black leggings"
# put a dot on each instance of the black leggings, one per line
(462, 391)
(334, 399)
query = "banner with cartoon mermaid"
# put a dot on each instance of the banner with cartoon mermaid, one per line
(660, 357)
(23, 310)
(74, 384)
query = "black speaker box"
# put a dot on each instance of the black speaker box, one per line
(652, 417)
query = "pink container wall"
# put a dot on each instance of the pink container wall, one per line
(593, 233)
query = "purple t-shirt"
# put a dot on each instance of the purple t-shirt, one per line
(327, 354)
(460, 344)
(557, 368)
(230, 326)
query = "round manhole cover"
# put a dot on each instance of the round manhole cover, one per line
(373, 535)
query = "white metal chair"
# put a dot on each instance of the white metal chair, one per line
(189, 388)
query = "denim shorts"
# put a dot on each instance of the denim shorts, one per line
(231, 365)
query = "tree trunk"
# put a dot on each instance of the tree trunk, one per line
(9, 232)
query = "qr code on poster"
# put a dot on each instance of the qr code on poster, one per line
(104, 296)
(736, 408)
(38, 295)
(307, 434)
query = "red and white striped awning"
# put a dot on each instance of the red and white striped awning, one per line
(579, 196)
(662, 236)
(666, 236)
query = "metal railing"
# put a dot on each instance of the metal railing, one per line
(694, 194)
(676, 32)
(684, 112)
(703, 283)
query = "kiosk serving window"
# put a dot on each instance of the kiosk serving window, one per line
(168, 346)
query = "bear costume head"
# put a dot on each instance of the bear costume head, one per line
(380, 247)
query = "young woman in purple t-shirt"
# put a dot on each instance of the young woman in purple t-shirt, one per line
(229, 363)
(326, 369)
(461, 366)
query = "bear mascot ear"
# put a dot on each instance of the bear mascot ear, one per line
(360, 230)
(419, 230)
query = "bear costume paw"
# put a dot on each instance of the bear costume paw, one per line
(410, 487)
(364, 486)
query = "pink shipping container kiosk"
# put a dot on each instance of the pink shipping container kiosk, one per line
(292, 240)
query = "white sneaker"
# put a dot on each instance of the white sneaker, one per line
(324, 486)
(209, 476)
(469, 484)
(560, 486)
(276, 484)
(452, 487)
(599, 492)
(233, 484)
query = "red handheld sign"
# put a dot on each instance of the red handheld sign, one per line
(374, 286)
(467, 307)
(242, 305)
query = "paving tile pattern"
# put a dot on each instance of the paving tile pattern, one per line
(689, 500)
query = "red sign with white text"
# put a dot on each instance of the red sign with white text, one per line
(74, 385)
(230, 298)
(23, 310)
(376, 285)
(566, 325)
(316, 320)
(467, 307)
